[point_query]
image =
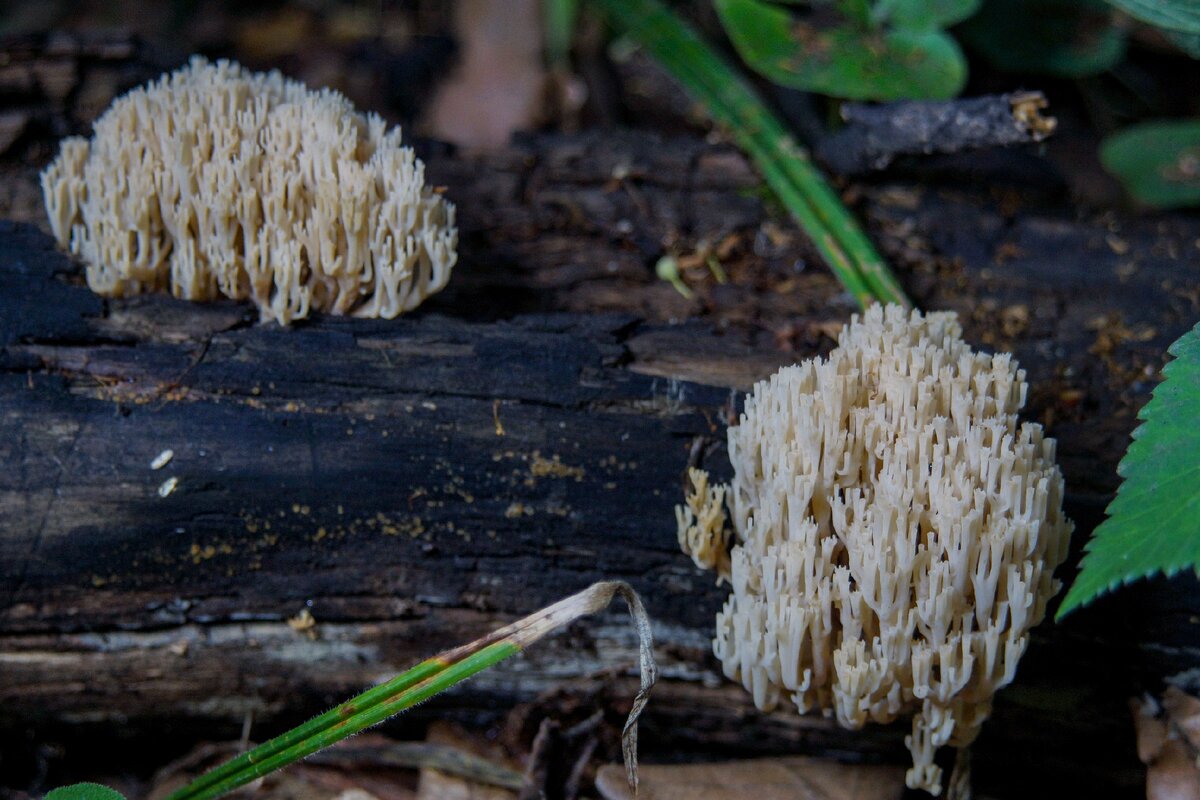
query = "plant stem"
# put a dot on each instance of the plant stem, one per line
(784, 163)
(426, 680)
(558, 23)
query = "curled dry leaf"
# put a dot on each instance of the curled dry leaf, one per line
(790, 778)
(1165, 744)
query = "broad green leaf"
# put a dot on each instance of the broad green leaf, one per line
(843, 62)
(1173, 15)
(1153, 523)
(1158, 162)
(1187, 42)
(928, 15)
(1065, 38)
(84, 791)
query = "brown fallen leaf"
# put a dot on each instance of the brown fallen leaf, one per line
(788, 778)
(1184, 712)
(12, 125)
(438, 785)
(275, 34)
(499, 86)
(324, 783)
(1171, 769)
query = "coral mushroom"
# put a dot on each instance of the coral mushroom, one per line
(216, 181)
(895, 532)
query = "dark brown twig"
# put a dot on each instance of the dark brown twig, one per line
(875, 135)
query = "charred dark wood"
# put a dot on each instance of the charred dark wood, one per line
(55, 84)
(412, 483)
(875, 135)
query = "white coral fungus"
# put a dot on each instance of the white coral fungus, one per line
(895, 532)
(217, 181)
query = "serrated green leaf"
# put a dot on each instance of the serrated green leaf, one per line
(844, 62)
(1173, 15)
(1187, 42)
(928, 15)
(84, 791)
(1158, 162)
(1066, 38)
(1153, 523)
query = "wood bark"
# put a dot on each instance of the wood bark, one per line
(413, 483)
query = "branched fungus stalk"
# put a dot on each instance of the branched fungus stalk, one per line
(895, 532)
(216, 181)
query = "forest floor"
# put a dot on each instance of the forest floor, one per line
(1033, 246)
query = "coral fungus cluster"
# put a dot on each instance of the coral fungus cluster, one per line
(216, 181)
(895, 532)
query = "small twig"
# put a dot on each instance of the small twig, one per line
(419, 755)
(540, 753)
(571, 788)
(876, 134)
(247, 724)
(584, 727)
(959, 785)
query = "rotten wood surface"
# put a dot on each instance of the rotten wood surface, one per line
(413, 483)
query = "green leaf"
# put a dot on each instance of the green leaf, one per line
(1158, 162)
(1173, 15)
(857, 11)
(558, 23)
(1064, 38)
(844, 62)
(928, 15)
(1187, 42)
(1153, 523)
(85, 791)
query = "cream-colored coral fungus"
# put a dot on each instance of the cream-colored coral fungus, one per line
(895, 532)
(217, 181)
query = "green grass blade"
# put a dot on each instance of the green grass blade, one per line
(784, 164)
(428, 679)
(363, 702)
(272, 755)
(558, 23)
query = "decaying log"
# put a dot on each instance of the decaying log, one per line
(412, 483)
